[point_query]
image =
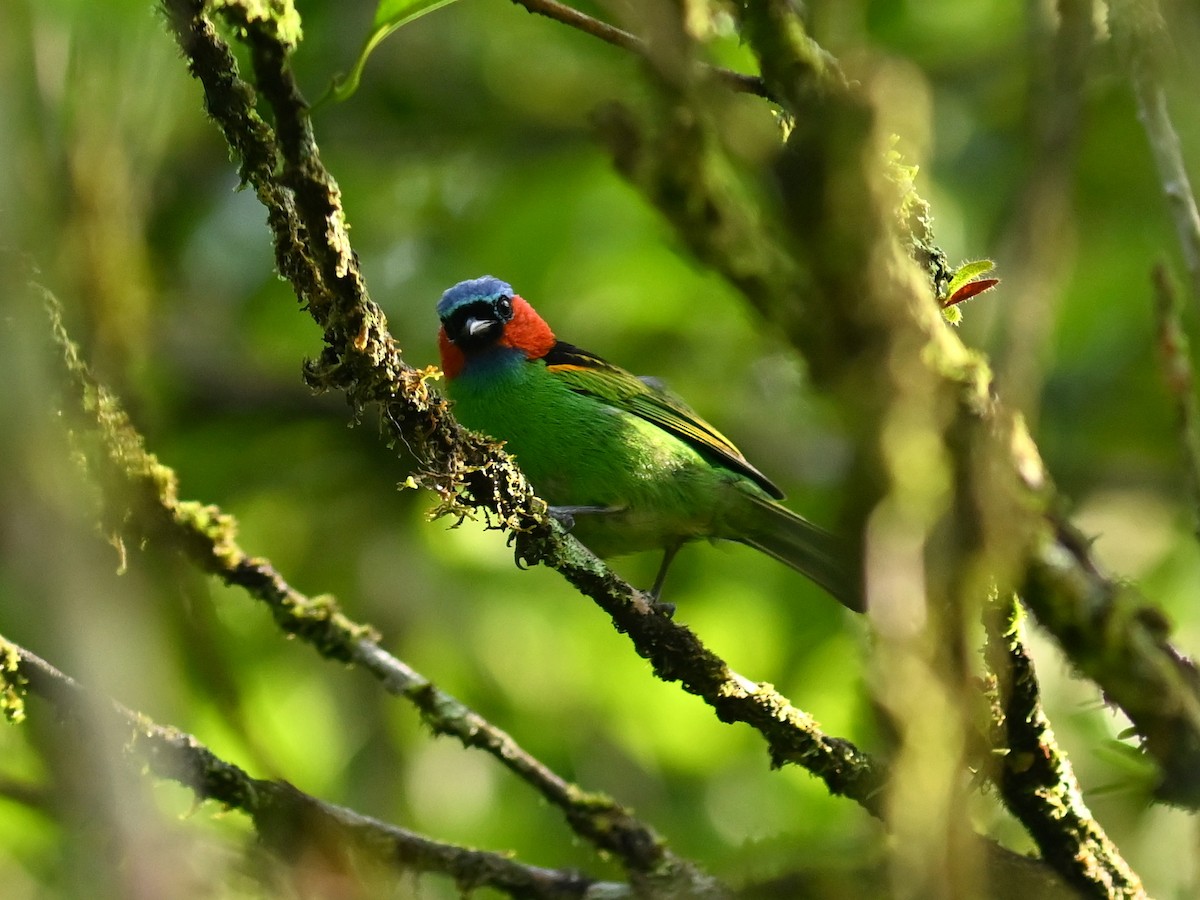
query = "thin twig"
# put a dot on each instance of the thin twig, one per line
(27, 793)
(610, 34)
(1142, 32)
(1179, 378)
(1044, 209)
(283, 815)
(1113, 636)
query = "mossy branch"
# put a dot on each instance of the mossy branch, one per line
(142, 504)
(847, 295)
(1034, 776)
(831, 270)
(1113, 636)
(288, 821)
(312, 251)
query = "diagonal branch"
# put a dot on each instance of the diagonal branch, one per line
(826, 275)
(610, 34)
(1114, 637)
(1141, 32)
(361, 358)
(142, 494)
(1034, 775)
(286, 818)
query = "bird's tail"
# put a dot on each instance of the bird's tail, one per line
(813, 552)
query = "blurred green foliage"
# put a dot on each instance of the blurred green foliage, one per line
(465, 151)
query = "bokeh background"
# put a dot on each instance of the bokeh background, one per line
(468, 150)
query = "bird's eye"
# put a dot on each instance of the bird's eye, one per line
(504, 306)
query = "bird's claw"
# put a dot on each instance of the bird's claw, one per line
(646, 603)
(666, 610)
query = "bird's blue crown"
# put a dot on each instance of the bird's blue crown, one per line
(485, 288)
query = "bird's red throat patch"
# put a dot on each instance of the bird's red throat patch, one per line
(452, 358)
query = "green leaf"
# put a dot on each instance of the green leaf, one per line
(389, 16)
(968, 271)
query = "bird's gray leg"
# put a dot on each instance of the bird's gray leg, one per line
(565, 515)
(668, 556)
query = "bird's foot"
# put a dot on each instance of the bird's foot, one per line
(648, 604)
(666, 610)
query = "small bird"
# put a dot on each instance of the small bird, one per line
(625, 464)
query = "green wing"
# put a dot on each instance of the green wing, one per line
(587, 373)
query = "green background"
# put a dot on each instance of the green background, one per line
(466, 151)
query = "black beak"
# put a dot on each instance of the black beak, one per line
(476, 331)
(477, 327)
